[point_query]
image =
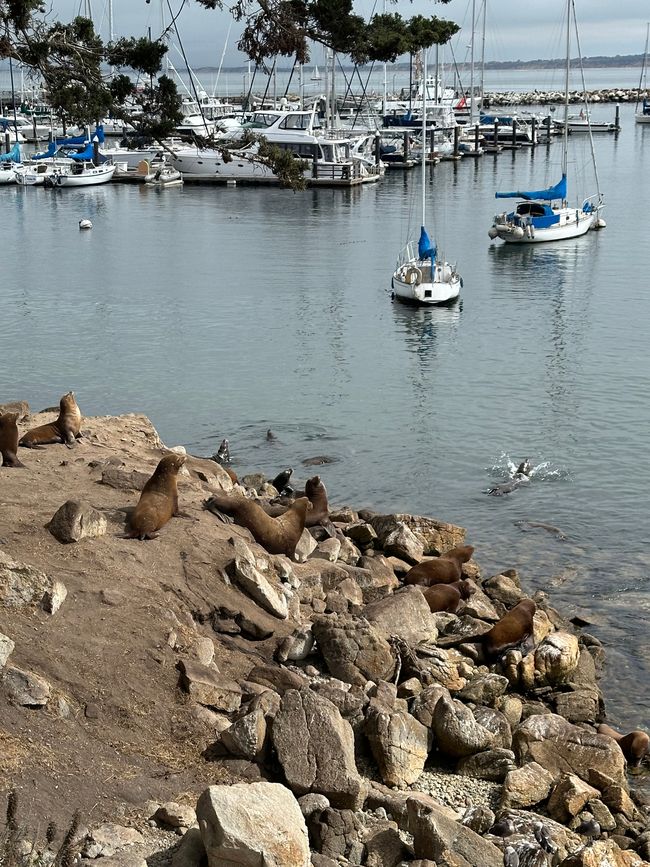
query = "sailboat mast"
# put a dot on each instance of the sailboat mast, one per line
(424, 136)
(482, 84)
(471, 67)
(565, 136)
(643, 66)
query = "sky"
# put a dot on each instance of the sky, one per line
(515, 30)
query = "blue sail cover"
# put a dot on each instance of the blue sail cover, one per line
(12, 156)
(556, 192)
(425, 247)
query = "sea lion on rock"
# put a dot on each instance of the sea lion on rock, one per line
(64, 430)
(514, 627)
(278, 535)
(634, 745)
(158, 501)
(447, 597)
(317, 495)
(440, 570)
(9, 440)
(281, 481)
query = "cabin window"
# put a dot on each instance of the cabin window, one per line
(296, 121)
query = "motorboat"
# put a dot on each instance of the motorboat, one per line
(163, 176)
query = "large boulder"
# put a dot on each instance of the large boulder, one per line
(315, 747)
(438, 836)
(526, 786)
(556, 658)
(25, 687)
(20, 583)
(252, 825)
(405, 614)
(75, 521)
(259, 588)
(353, 649)
(436, 537)
(561, 747)
(457, 733)
(569, 797)
(399, 743)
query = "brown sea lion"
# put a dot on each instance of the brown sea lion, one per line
(9, 439)
(158, 501)
(317, 495)
(278, 535)
(447, 597)
(64, 430)
(634, 745)
(514, 627)
(440, 570)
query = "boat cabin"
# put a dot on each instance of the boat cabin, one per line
(539, 214)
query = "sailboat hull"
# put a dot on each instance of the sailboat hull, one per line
(572, 223)
(409, 287)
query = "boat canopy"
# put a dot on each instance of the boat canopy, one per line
(12, 156)
(556, 192)
(425, 248)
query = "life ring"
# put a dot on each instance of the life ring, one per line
(412, 275)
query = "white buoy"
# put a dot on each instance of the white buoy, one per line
(85, 224)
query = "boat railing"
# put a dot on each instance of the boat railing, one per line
(348, 171)
(407, 254)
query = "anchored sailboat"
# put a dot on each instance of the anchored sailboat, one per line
(545, 215)
(642, 113)
(420, 276)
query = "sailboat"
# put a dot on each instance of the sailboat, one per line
(642, 115)
(420, 276)
(545, 215)
(315, 76)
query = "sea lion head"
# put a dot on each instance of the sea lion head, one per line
(170, 464)
(68, 401)
(312, 485)
(8, 419)
(302, 505)
(466, 588)
(462, 553)
(524, 468)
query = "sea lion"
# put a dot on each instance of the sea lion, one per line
(64, 430)
(317, 495)
(514, 627)
(158, 501)
(222, 455)
(278, 535)
(319, 460)
(270, 435)
(634, 745)
(281, 481)
(524, 468)
(440, 570)
(9, 440)
(508, 487)
(447, 597)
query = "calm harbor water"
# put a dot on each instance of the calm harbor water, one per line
(224, 311)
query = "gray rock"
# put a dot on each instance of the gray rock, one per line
(6, 649)
(361, 533)
(259, 588)
(561, 747)
(277, 678)
(173, 815)
(337, 834)
(504, 588)
(526, 786)
(315, 747)
(123, 480)
(402, 543)
(25, 687)
(252, 825)
(494, 721)
(75, 521)
(20, 583)
(353, 650)
(438, 836)
(556, 658)
(436, 537)
(405, 614)
(492, 765)
(305, 547)
(375, 577)
(313, 803)
(457, 733)
(580, 705)
(54, 598)
(400, 745)
(479, 819)
(191, 851)
(484, 689)
(108, 839)
(385, 848)
(328, 549)
(246, 736)
(206, 686)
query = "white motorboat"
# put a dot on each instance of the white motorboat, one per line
(327, 160)
(582, 123)
(545, 215)
(80, 173)
(421, 277)
(164, 176)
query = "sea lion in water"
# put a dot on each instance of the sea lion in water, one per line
(158, 501)
(524, 468)
(281, 481)
(278, 535)
(514, 627)
(440, 570)
(64, 430)
(634, 745)
(222, 455)
(270, 435)
(447, 597)
(9, 440)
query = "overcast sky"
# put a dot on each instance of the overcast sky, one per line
(515, 30)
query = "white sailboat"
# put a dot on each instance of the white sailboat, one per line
(642, 114)
(420, 276)
(545, 215)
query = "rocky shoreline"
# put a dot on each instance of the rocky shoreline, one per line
(556, 97)
(201, 701)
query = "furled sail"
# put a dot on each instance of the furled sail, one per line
(556, 192)
(425, 248)
(13, 155)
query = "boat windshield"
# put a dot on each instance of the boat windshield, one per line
(532, 209)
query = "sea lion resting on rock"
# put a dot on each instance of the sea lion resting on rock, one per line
(445, 569)
(278, 535)
(158, 501)
(447, 597)
(514, 627)
(64, 430)
(9, 440)
(634, 745)
(316, 493)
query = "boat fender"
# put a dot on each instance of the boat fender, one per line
(528, 232)
(517, 232)
(413, 276)
(492, 233)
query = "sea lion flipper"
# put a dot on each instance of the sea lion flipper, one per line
(211, 506)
